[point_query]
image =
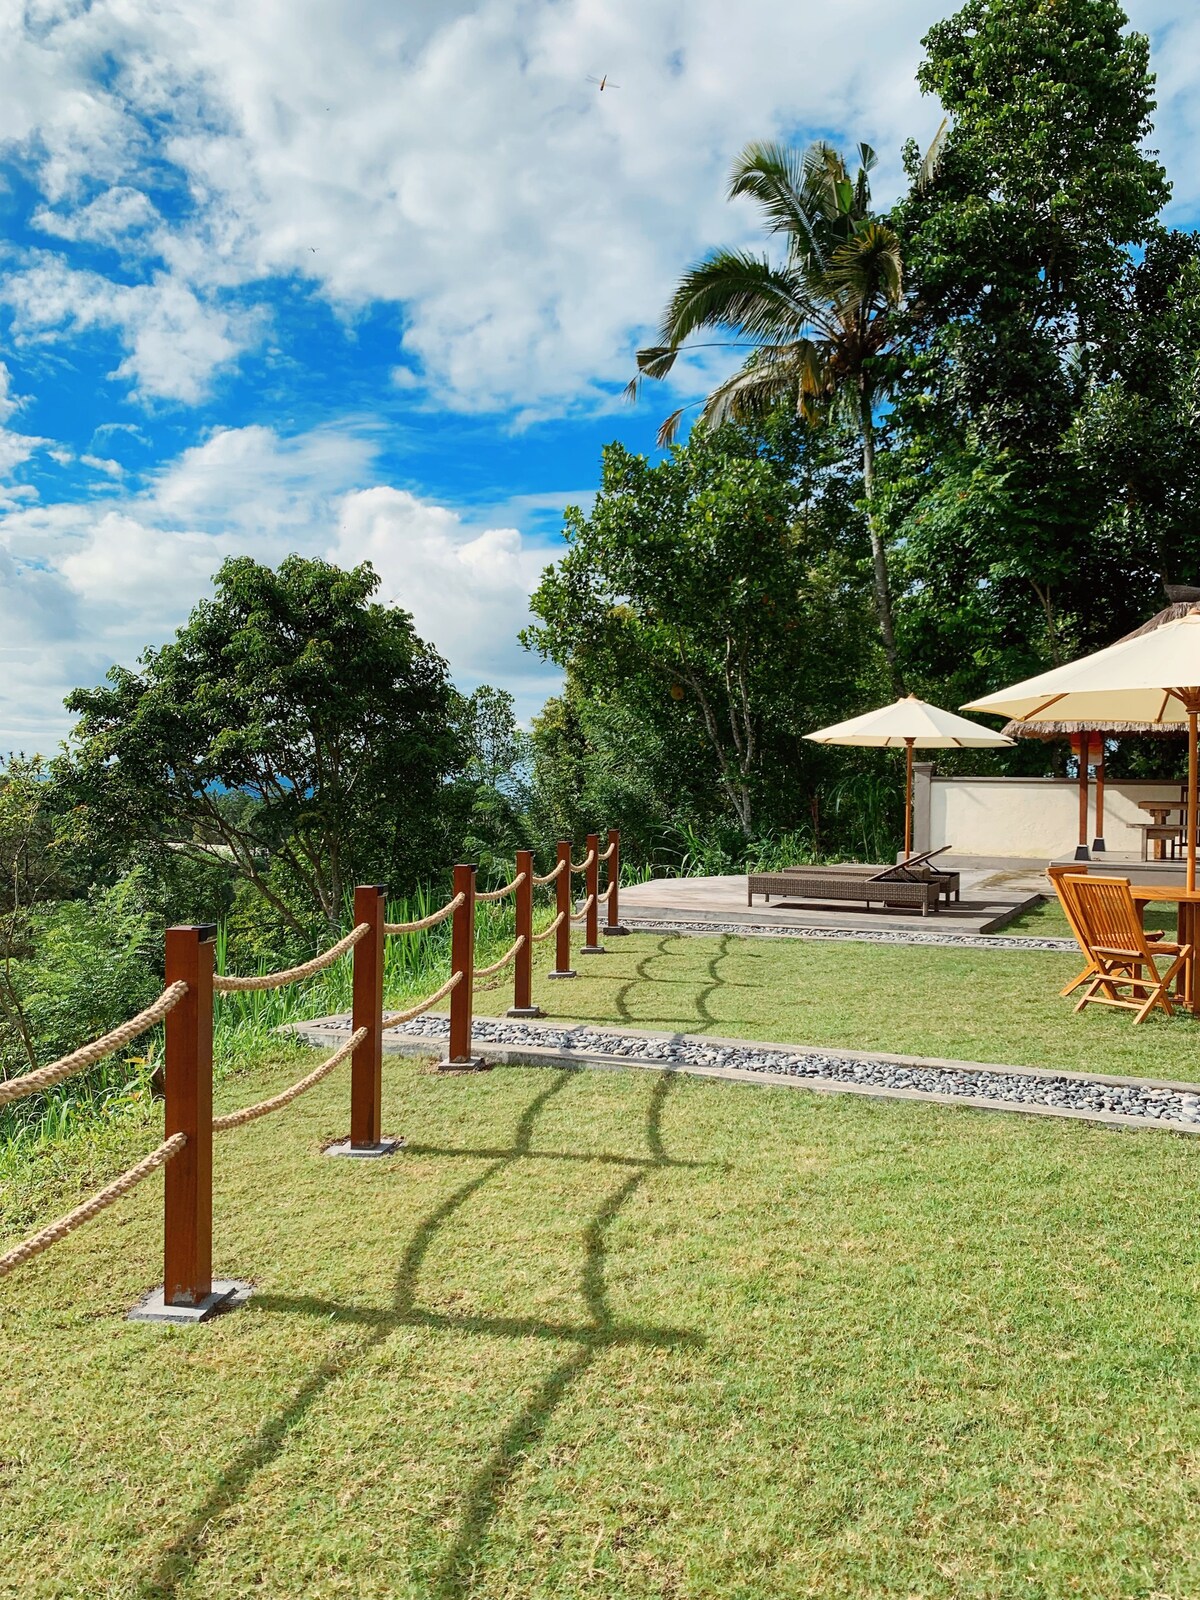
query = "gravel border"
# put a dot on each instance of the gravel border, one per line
(1127, 1102)
(769, 930)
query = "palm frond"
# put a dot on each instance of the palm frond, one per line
(867, 271)
(735, 290)
(797, 372)
(776, 176)
(933, 156)
(669, 429)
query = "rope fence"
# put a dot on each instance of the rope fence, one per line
(225, 984)
(263, 1108)
(186, 1007)
(87, 1056)
(93, 1207)
(499, 894)
(431, 921)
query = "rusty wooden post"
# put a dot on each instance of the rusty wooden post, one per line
(1082, 741)
(614, 928)
(462, 959)
(563, 908)
(591, 888)
(187, 1249)
(366, 1065)
(523, 1005)
(1098, 843)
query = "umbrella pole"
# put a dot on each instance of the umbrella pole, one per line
(1081, 849)
(908, 764)
(1098, 842)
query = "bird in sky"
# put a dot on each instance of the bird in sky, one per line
(603, 82)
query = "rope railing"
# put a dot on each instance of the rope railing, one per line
(549, 877)
(584, 908)
(499, 894)
(90, 1208)
(548, 931)
(582, 866)
(263, 1108)
(87, 1056)
(509, 955)
(607, 855)
(397, 1017)
(224, 983)
(431, 921)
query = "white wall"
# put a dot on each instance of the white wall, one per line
(1036, 818)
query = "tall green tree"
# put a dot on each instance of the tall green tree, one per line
(294, 727)
(815, 327)
(701, 590)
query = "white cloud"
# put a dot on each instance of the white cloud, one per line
(87, 584)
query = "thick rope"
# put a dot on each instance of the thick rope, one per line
(226, 984)
(582, 866)
(607, 855)
(549, 877)
(235, 1119)
(498, 894)
(90, 1208)
(431, 921)
(397, 1017)
(78, 1060)
(584, 908)
(486, 972)
(546, 932)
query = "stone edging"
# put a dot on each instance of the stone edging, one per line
(767, 930)
(1090, 1097)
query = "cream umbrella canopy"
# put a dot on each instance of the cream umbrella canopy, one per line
(1151, 676)
(913, 724)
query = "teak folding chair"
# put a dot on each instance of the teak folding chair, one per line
(1114, 940)
(1062, 878)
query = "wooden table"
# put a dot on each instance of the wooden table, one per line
(1159, 811)
(1188, 901)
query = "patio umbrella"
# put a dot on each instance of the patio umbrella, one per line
(1153, 676)
(915, 724)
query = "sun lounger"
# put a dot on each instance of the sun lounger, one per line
(878, 886)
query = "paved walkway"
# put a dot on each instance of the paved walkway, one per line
(1032, 1091)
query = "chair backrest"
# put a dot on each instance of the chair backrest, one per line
(1064, 879)
(1108, 918)
(901, 867)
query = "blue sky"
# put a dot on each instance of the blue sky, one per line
(364, 279)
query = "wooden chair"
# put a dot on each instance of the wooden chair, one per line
(1121, 954)
(1061, 878)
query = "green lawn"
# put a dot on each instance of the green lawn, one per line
(979, 1005)
(625, 1335)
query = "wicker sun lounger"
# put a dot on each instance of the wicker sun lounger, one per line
(821, 883)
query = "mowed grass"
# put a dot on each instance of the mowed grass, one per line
(1000, 1006)
(625, 1334)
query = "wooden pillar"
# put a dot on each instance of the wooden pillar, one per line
(591, 888)
(614, 928)
(462, 959)
(187, 1205)
(366, 1070)
(908, 803)
(1098, 843)
(523, 1005)
(563, 908)
(1193, 705)
(1081, 849)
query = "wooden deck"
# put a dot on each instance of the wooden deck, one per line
(993, 893)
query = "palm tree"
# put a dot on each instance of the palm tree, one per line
(815, 327)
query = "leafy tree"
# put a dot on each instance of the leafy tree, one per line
(699, 585)
(294, 727)
(1018, 241)
(814, 327)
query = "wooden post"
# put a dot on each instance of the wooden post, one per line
(1081, 849)
(366, 1069)
(523, 1005)
(462, 959)
(1191, 799)
(187, 1249)
(1098, 842)
(908, 777)
(563, 907)
(614, 928)
(591, 888)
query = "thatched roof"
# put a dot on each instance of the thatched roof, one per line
(1183, 600)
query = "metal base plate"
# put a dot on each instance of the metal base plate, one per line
(562, 974)
(227, 1294)
(385, 1147)
(1081, 853)
(1099, 847)
(524, 1011)
(591, 950)
(472, 1064)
